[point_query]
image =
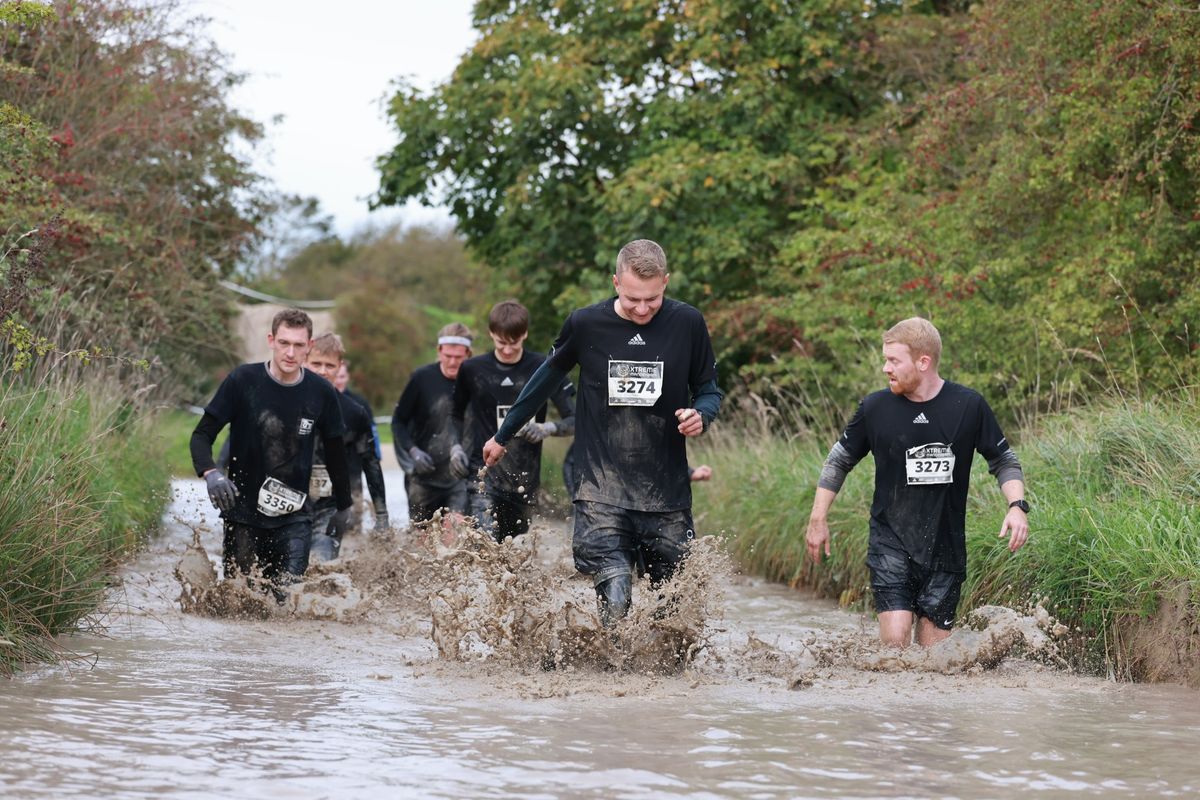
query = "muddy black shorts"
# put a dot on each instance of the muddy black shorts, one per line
(900, 584)
(609, 541)
(424, 500)
(281, 553)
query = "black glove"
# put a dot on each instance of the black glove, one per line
(535, 432)
(460, 465)
(221, 490)
(338, 523)
(422, 461)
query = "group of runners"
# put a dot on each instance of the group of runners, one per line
(468, 432)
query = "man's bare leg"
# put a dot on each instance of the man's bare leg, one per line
(895, 628)
(929, 634)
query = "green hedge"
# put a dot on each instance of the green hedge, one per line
(83, 484)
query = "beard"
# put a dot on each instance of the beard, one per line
(901, 386)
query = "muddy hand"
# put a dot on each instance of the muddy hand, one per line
(690, 421)
(493, 452)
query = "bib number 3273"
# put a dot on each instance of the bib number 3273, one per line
(634, 383)
(275, 498)
(929, 464)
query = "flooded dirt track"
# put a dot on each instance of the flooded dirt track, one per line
(177, 705)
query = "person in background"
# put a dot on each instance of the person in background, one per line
(422, 428)
(324, 359)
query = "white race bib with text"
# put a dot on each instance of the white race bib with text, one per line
(929, 463)
(320, 484)
(275, 498)
(634, 383)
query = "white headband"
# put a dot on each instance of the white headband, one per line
(464, 341)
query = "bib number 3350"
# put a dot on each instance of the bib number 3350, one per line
(634, 383)
(275, 498)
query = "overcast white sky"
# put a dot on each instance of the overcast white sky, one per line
(324, 66)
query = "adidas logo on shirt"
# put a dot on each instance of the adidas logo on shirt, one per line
(637, 339)
(507, 381)
(920, 419)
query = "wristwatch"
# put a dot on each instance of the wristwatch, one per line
(1021, 504)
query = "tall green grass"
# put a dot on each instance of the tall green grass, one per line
(1115, 489)
(82, 484)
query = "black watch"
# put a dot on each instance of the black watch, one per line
(1021, 504)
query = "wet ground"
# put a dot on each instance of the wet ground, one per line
(783, 699)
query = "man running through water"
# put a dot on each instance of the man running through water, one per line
(923, 432)
(487, 385)
(324, 359)
(275, 412)
(647, 381)
(422, 433)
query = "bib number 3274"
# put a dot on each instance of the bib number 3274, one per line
(929, 464)
(634, 383)
(275, 498)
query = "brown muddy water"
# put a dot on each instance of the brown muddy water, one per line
(758, 692)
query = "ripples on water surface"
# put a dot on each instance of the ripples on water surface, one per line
(187, 707)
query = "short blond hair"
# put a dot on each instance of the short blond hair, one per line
(643, 258)
(330, 344)
(919, 334)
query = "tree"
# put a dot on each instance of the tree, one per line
(138, 167)
(572, 127)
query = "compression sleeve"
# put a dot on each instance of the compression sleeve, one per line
(339, 472)
(545, 381)
(837, 465)
(1006, 467)
(202, 442)
(707, 400)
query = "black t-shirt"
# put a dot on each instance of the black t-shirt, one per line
(360, 445)
(484, 391)
(273, 428)
(632, 378)
(923, 454)
(422, 418)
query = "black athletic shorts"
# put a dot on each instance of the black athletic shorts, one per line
(610, 541)
(900, 584)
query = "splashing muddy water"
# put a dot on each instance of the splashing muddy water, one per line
(378, 676)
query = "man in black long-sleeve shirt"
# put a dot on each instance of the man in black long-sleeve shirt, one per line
(503, 502)
(275, 410)
(647, 382)
(324, 359)
(422, 429)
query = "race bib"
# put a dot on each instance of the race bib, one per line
(929, 463)
(634, 383)
(275, 498)
(320, 484)
(501, 413)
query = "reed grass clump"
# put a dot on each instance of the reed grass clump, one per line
(82, 484)
(1115, 542)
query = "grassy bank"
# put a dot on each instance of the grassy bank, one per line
(82, 484)
(1114, 548)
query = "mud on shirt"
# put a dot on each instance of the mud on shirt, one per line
(629, 451)
(422, 418)
(484, 391)
(923, 454)
(273, 429)
(360, 446)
